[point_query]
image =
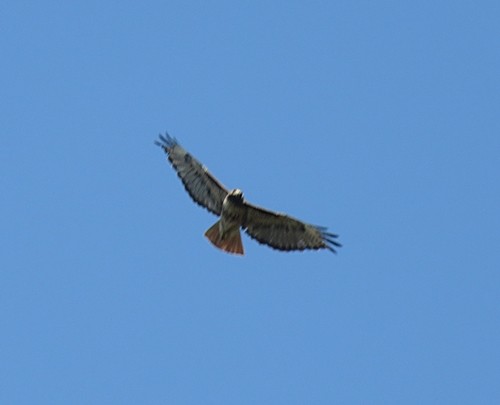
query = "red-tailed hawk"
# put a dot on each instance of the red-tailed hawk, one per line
(274, 229)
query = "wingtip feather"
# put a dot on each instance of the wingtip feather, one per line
(166, 141)
(329, 239)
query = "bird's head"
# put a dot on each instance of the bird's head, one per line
(236, 196)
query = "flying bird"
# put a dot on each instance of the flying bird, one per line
(274, 229)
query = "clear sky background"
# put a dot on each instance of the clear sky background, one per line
(378, 119)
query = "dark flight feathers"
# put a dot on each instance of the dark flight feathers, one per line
(203, 188)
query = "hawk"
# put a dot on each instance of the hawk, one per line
(274, 229)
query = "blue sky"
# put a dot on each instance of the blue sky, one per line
(377, 119)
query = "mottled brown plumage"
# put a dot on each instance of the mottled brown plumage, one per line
(274, 229)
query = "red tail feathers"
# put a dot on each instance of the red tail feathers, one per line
(229, 242)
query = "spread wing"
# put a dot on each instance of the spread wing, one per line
(283, 232)
(203, 188)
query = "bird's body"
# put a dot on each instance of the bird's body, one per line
(276, 230)
(225, 233)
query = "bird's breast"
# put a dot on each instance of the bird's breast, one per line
(232, 211)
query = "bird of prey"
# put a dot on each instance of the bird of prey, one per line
(274, 229)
